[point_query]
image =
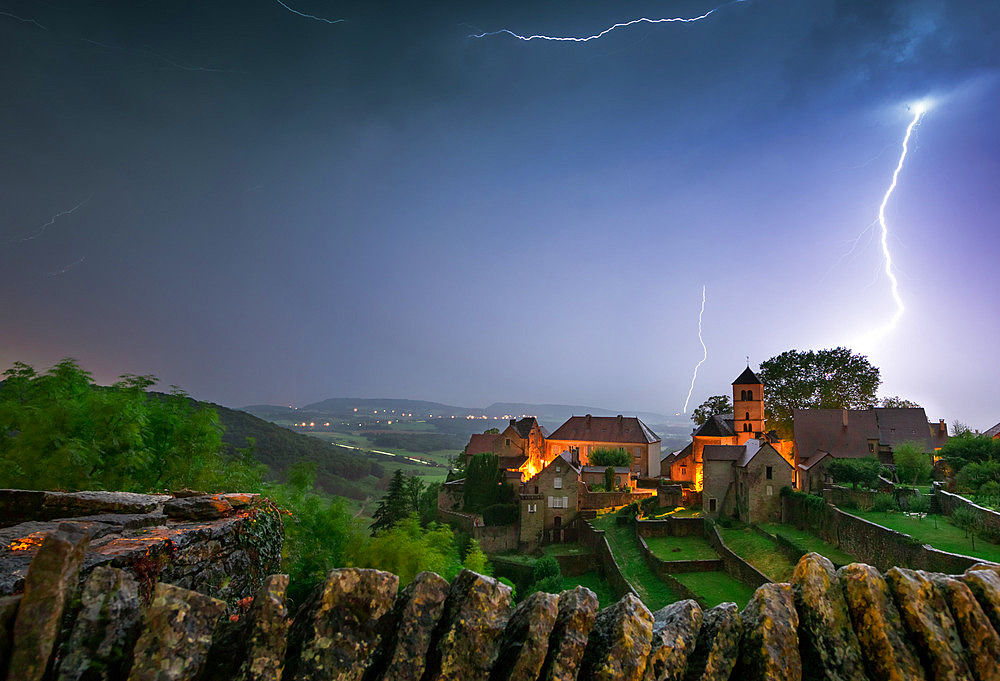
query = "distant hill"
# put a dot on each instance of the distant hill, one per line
(337, 471)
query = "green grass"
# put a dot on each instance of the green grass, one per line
(945, 536)
(566, 550)
(625, 547)
(716, 587)
(759, 551)
(808, 541)
(594, 582)
(681, 548)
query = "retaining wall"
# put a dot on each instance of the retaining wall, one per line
(948, 502)
(733, 565)
(609, 566)
(671, 527)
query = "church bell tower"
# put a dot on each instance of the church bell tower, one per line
(748, 407)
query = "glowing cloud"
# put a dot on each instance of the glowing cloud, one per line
(641, 20)
(704, 349)
(919, 109)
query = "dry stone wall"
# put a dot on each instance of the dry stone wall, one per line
(852, 624)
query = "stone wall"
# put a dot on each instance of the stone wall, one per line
(733, 565)
(948, 502)
(854, 623)
(597, 500)
(871, 543)
(670, 527)
(221, 545)
(598, 543)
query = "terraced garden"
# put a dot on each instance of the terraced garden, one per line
(759, 551)
(944, 536)
(681, 548)
(716, 587)
(808, 541)
(653, 592)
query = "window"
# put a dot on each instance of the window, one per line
(638, 452)
(871, 447)
(770, 490)
(557, 483)
(558, 469)
(550, 502)
(684, 470)
(508, 442)
(712, 503)
(747, 417)
(536, 489)
(565, 502)
(769, 473)
(746, 427)
(532, 508)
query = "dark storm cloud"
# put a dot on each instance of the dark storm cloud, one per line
(897, 48)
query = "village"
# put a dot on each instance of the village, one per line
(734, 508)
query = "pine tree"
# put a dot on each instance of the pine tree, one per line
(394, 506)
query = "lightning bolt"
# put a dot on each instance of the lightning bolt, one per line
(919, 110)
(35, 233)
(309, 16)
(27, 21)
(623, 24)
(67, 268)
(703, 348)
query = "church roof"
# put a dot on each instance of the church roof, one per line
(720, 425)
(747, 378)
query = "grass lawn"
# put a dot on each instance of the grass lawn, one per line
(759, 551)
(716, 587)
(681, 548)
(594, 582)
(945, 537)
(808, 541)
(566, 550)
(653, 592)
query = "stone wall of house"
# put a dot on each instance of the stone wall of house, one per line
(948, 502)
(871, 543)
(852, 623)
(223, 544)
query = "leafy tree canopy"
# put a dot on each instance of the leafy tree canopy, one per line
(716, 404)
(913, 464)
(485, 483)
(897, 402)
(816, 379)
(606, 456)
(864, 472)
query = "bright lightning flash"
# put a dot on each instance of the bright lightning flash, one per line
(641, 20)
(310, 16)
(919, 109)
(703, 348)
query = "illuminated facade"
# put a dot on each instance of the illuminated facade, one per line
(520, 446)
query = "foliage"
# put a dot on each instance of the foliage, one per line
(485, 484)
(476, 560)
(609, 478)
(606, 456)
(864, 472)
(501, 514)
(896, 402)
(989, 493)
(885, 501)
(716, 404)
(966, 448)
(973, 476)
(913, 464)
(824, 379)
(408, 549)
(546, 576)
(919, 503)
(394, 506)
(966, 520)
(59, 430)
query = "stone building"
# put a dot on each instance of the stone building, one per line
(520, 446)
(549, 503)
(821, 435)
(744, 481)
(593, 477)
(581, 435)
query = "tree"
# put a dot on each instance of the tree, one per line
(546, 576)
(476, 560)
(609, 478)
(717, 404)
(896, 402)
(485, 483)
(394, 506)
(913, 465)
(863, 472)
(606, 456)
(824, 379)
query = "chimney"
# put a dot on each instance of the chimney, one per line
(619, 419)
(941, 427)
(513, 421)
(843, 416)
(588, 420)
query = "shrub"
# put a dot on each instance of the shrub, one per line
(605, 456)
(919, 503)
(913, 465)
(500, 514)
(989, 492)
(885, 502)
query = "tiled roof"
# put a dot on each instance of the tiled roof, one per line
(481, 443)
(722, 452)
(747, 378)
(993, 432)
(720, 425)
(524, 426)
(899, 425)
(601, 469)
(822, 431)
(611, 429)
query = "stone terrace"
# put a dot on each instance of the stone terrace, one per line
(851, 624)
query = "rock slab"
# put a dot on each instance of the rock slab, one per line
(718, 645)
(982, 643)
(568, 641)
(675, 634)
(407, 639)
(526, 638)
(770, 645)
(619, 642)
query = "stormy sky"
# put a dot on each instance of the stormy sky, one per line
(263, 207)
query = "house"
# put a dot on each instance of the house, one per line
(824, 434)
(744, 424)
(744, 481)
(549, 503)
(581, 435)
(520, 447)
(993, 432)
(593, 477)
